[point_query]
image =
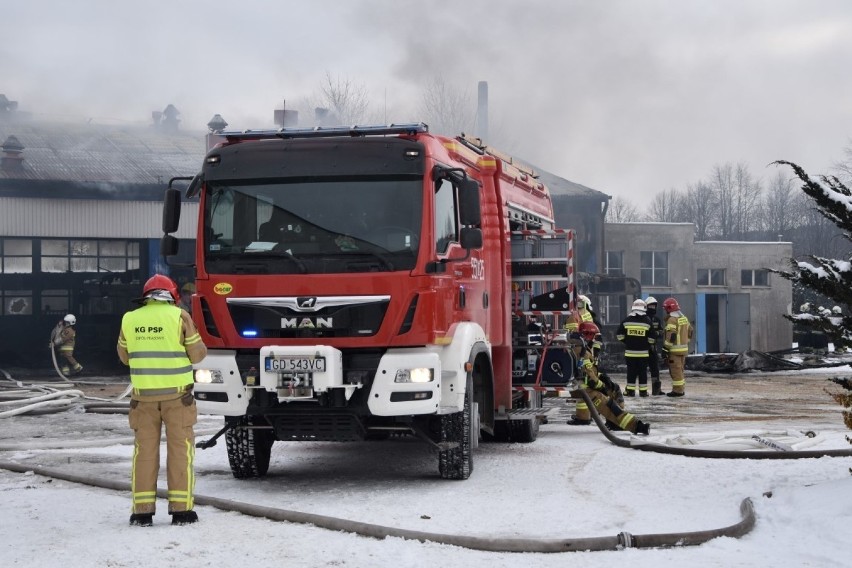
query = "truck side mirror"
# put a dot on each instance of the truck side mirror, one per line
(469, 209)
(470, 238)
(171, 210)
(168, 246)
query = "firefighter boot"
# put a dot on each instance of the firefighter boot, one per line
(142, 519)
(673, 393)
(657, 388)
(184, 517)
(643, 428)
(574, 421)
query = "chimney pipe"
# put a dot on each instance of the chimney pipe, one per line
(482, 112)
(12, 158)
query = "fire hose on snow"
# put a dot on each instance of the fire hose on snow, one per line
(636, 443)
(615, 542)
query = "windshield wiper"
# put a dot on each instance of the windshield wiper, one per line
(303, 268)
(385, 261)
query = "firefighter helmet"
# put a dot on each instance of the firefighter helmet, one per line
(589, 330)
(638, 305)
(650, 300)
(161, 282)
(671, 305)
(585, 301)
(70, 319)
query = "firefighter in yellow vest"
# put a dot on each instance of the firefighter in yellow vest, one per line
(64, 338)
(678, 332)
(159, 342)
(596, 387)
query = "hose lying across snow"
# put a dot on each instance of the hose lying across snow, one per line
(617, 542)
(33, 398)
(635, 443)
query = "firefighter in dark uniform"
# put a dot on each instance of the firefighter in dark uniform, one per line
(159, 342)
(678, 332)
(635, 332)
(597, 387)
(653, 356)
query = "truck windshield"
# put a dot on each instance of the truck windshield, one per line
(314, 226)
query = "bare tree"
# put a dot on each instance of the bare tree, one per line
(666, 207)
(699, 209)
(722, 184)
(843, 168)
(340, 100)
(621, 210)
(779, 210)
(447, 109)
(746, 199)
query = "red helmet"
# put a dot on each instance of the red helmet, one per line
(671, 305)
(589, 330)
(161, 282)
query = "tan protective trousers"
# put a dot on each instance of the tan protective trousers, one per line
(676, 365)
(607, 408)
(146, 419)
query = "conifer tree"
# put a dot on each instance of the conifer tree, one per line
(831, 278)
(828, 277)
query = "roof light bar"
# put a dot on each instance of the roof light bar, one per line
(327, 132)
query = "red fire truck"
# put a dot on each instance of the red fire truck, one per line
(358, 282)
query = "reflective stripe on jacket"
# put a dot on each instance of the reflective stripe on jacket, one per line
(678, 333)
(156, 354)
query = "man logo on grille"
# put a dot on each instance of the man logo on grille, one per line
(306, 302)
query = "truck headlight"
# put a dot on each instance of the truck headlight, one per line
(208, 376)
(419, 375)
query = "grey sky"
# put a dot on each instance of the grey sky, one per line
(629, 97)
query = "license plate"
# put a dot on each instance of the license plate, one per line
(296, 364)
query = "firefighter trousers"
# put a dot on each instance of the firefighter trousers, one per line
(607, 408)
(637, 368)
(676, 364)
(147, 419)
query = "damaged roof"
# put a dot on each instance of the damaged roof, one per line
(125, 154)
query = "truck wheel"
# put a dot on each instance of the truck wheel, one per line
(523, 431)
(526, 431)
(457, 428)
(249, 449)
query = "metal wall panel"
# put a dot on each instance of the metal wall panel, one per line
(21, 217)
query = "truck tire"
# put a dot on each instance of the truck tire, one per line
(249, 449)
(526, 431)
(457, 428)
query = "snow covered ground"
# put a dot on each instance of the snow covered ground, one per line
(571, 483)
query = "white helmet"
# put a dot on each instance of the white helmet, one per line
(638, 305)
(586, 301)
(70, 319)
(650, 300)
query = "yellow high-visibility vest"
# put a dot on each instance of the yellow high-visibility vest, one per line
(157, 358)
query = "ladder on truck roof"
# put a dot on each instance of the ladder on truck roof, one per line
(326, 132)
(543, 287)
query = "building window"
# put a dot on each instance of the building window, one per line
(614, 263)
(613, 309)
(55, 302)
(711, 276)
(758, 277)
(654, 268)
(16, 256)
(16, 302)
(78, 255)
